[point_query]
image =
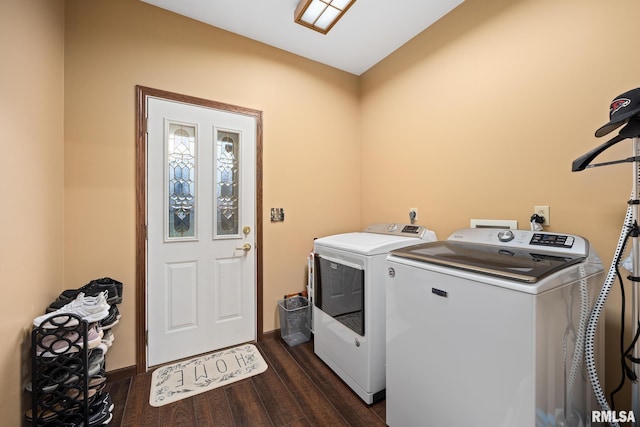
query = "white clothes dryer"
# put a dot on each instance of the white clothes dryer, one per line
(487, 329)
(348, 302)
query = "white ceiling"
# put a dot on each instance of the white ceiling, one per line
(366, 34)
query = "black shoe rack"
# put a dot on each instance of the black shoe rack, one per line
(60, 379)
(67, 367)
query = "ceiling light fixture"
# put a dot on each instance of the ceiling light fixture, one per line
(321, 15)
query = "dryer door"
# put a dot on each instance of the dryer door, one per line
(339, 291)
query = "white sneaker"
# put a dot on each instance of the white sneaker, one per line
(91, 310)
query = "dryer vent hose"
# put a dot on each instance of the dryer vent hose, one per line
(597, 311)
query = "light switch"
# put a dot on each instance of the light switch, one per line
(277, 214)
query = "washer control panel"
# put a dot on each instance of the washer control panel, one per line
(554, 240)
(524, 239)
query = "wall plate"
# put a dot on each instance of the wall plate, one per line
(495, 223)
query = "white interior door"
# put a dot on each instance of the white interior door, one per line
(201, 262)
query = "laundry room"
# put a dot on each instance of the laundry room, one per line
(479, 116)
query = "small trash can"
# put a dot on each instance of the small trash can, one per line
(294, 320)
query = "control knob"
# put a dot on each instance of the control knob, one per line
(505, 235)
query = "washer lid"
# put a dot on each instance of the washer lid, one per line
(501, 261)
(365, 243)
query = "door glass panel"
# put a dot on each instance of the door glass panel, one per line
(227, 184)
(339, 292)
(181, 181)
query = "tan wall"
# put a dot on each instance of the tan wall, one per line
(311, 119)
(481, 116)
(31, 119)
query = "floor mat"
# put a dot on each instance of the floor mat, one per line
(171, 383)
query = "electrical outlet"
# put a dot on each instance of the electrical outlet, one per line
(543, 211)
(413, 214)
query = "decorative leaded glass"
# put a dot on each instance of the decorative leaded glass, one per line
(227, 173)
(182, 171)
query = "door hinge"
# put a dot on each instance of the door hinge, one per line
(146, 338)
(146, 232)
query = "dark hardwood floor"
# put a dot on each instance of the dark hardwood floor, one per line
(297, 389)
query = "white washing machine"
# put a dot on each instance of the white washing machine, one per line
(487, 328)
(348, 302)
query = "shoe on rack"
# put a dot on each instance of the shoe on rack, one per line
(55, 345)
(91, 310)
(106, 281)
(88, 298)
(95, 286)
(108, 338)
(94, 369)
(97, 383)
(77, 394)
(96, 356)
(112, 319)
(51, 407)
(100, 410)
(103, 346)
(63, 371)
(94, 336)
(44, 415)
(92, 288)
(107, 341)
(74, 368)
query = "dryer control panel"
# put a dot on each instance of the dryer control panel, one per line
(406, 230)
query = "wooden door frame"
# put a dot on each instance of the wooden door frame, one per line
(142, 93)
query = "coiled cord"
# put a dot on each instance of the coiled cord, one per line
(597, 310)
(578, 349)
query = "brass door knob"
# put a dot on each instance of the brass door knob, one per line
(246, 247)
